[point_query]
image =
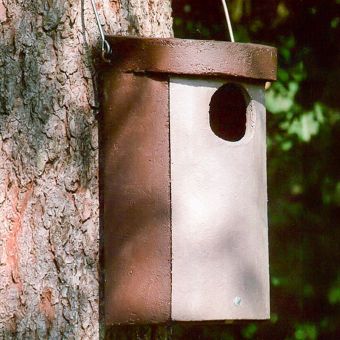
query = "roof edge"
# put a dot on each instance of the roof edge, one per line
(193, 57)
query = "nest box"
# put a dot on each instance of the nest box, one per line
(183, 180)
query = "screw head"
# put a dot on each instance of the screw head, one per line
(237, 301)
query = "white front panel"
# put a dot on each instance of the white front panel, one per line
(219, 214)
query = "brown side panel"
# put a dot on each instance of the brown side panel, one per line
(135, 197)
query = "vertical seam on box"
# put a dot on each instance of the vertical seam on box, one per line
(170, 198)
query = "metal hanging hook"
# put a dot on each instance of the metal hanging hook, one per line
(106, 49)
(226, 12)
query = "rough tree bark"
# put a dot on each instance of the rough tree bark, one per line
(49, 225)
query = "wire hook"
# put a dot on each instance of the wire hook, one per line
(106, 49)
(230, 28)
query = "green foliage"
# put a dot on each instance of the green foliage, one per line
(306, 332)
(303, 159)
(334, 293)
(249, 331)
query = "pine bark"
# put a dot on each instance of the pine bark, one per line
(49, 209)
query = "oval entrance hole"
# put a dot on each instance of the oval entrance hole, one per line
(228, 112)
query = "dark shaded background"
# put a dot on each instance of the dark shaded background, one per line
(303, 159)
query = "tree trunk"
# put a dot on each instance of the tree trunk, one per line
(49, 218)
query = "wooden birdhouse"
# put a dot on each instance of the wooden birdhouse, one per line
(183, 180)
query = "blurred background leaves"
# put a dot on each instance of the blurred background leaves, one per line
(303, 159)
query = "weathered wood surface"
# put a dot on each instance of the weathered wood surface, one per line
(49, 218)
